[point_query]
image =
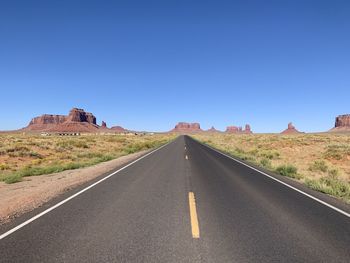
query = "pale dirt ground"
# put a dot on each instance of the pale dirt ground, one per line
(34, 191)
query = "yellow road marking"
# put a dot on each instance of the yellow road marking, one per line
(193, 214)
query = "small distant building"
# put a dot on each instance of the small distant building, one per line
(68, 134)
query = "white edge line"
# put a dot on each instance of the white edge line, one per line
(76, 194)
(277, 180)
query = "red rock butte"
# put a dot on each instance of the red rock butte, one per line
(212, 129)
(236, 129)
(290, 130)
(342, 123)
(118, 129)
(184, 127)
(104, 125)
(77, 120)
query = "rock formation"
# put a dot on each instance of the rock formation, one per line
(236, 129)
(247, 129)
(342, 123)
(77, 121)
(212, 129)
(233, 129)
(187, 127)
(290, 130)
(79, 115)
(48, 119)
(118, 129)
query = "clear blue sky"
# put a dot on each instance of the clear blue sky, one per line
(146, 65)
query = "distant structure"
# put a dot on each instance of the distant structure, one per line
(236, 129)
(342, 123)
(212, 129)
(290, 130)
(118, 129)
(185, 127)
(104, 125)
(74, 123)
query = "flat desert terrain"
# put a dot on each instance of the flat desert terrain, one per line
(23, 155)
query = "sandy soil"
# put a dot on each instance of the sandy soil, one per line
(34, 191)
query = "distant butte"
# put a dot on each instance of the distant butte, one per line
(184, 127)
(236, 129)
(290, 130)
(212, 129)
(104, 125)
(77, 120)
(342, 123)
(118, 129)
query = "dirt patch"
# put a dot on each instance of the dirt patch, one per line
(34, 191)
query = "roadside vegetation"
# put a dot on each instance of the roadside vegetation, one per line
(320, 161)
(29, 155)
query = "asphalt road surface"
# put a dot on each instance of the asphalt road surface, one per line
(184, 203)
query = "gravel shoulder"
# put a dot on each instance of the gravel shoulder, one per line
(32, 192)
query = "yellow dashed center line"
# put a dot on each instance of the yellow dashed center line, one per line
(193, 215)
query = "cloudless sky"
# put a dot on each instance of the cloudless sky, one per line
(146, 65)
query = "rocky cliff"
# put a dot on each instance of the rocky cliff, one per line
(48, 119)
(236, 129)
(187, 127)
(79, 115)
(342, 123)
(77, 120)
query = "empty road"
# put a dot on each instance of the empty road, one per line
(184, 203)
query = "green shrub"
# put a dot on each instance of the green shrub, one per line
(14, 178)
(270, 154)
(103, 158)
(266, 163)
(337, 151)
(35, 155)
(253, 152)
(333, 173)
(17, 148)
(90, 155)
(331, 185)
(288, 170)
(4, 166)
(69, 144)
(139, 146)
(319, 165)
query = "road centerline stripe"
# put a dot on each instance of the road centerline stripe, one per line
(193, 215)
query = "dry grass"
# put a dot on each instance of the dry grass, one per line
(28, 155)
(321, 161)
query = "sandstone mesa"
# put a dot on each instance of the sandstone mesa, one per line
(77, 120)
(342, 123)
